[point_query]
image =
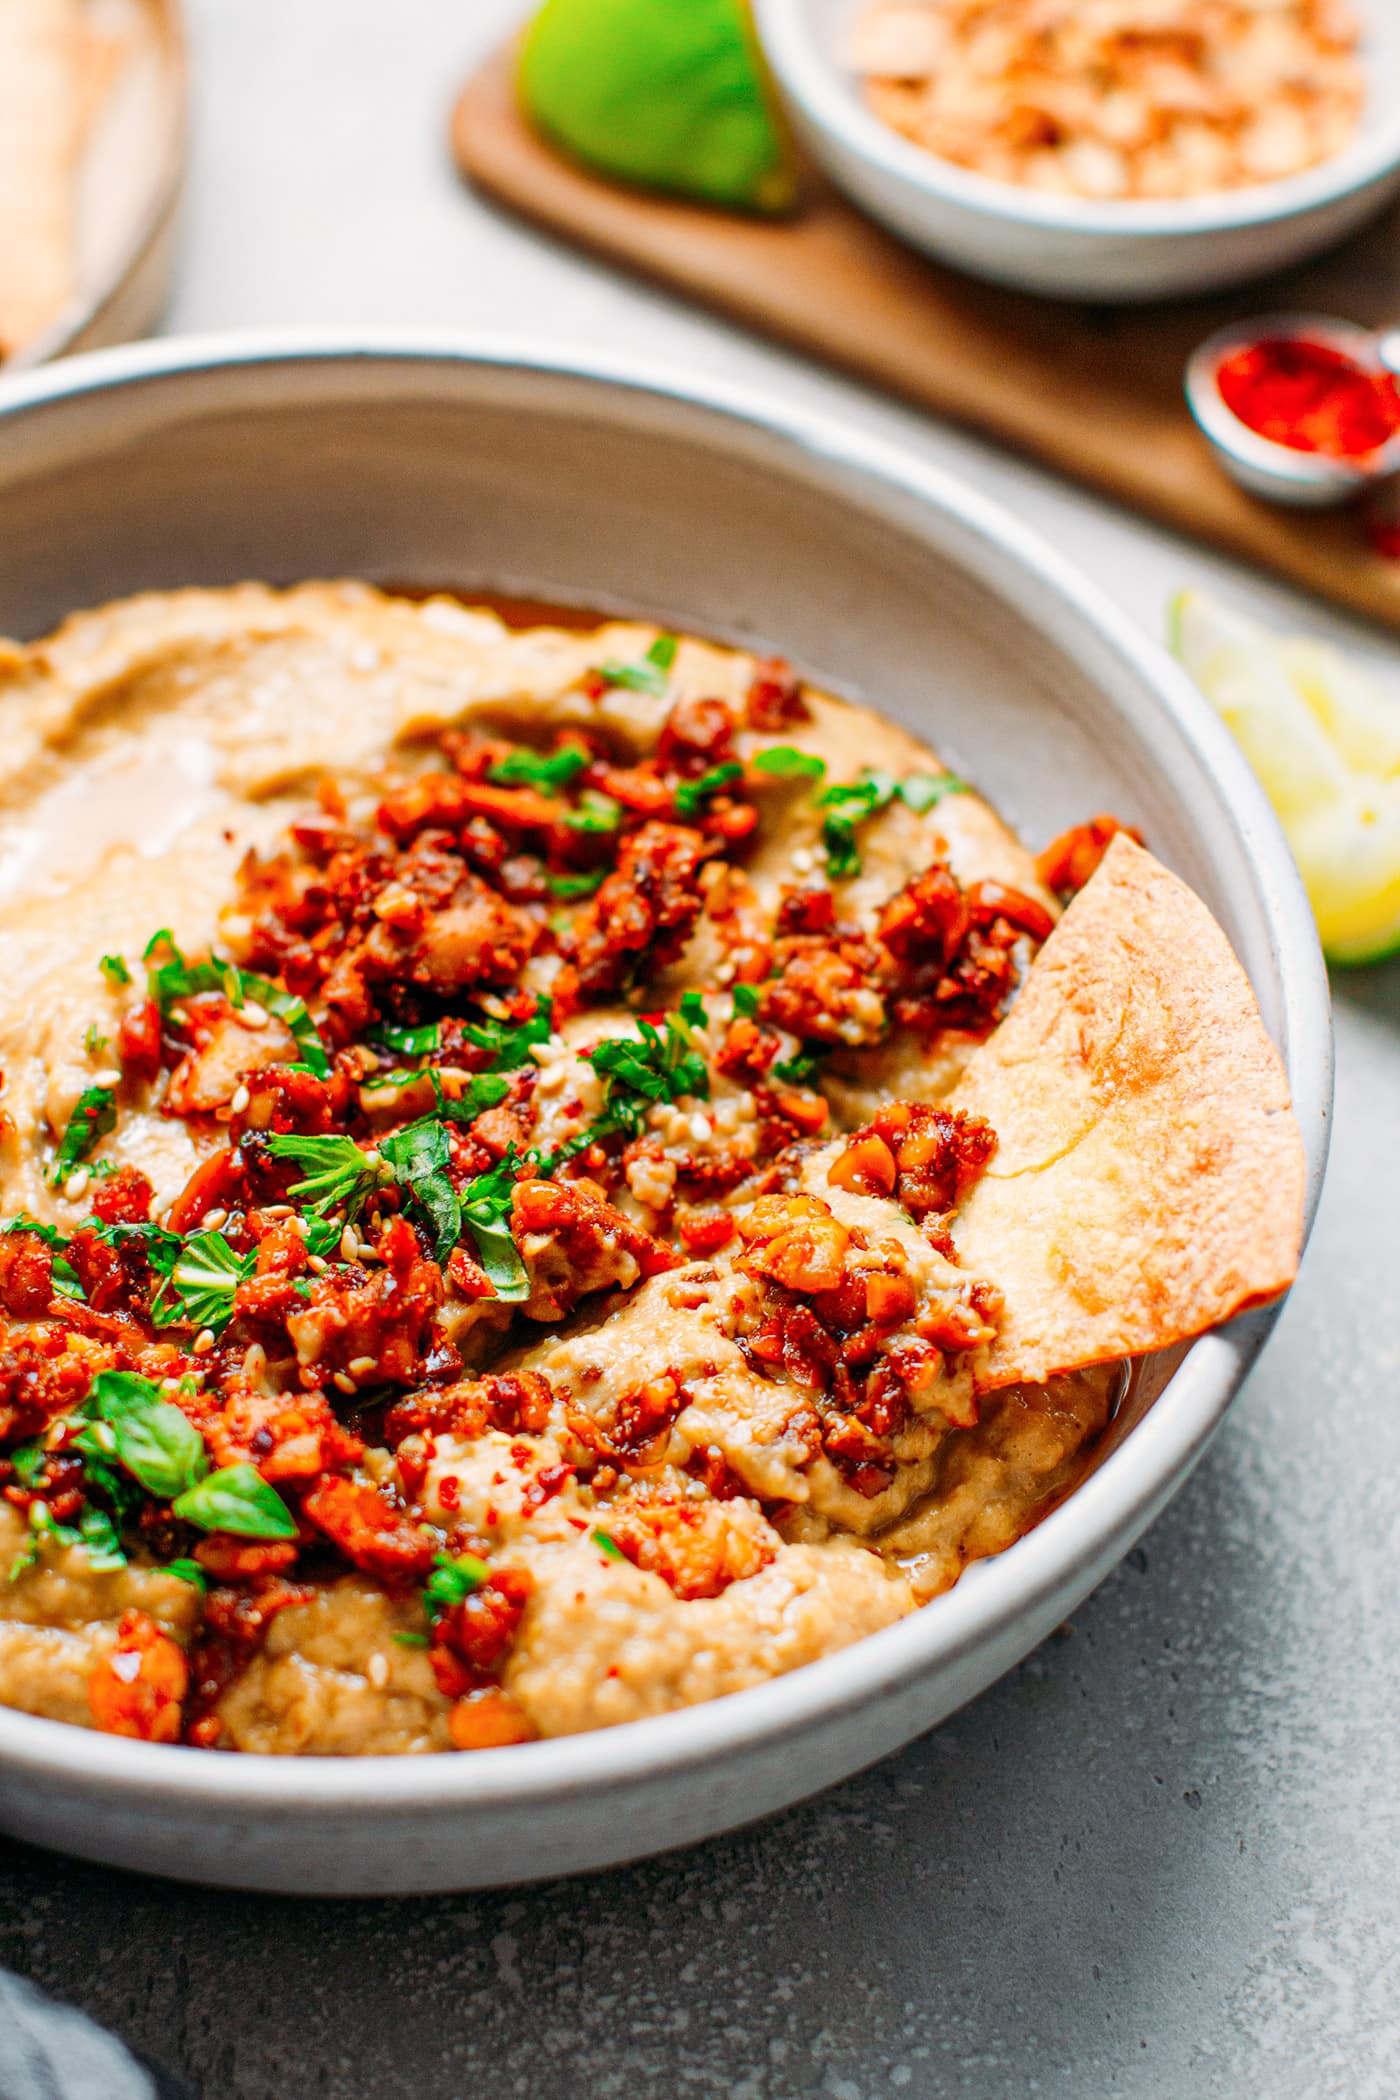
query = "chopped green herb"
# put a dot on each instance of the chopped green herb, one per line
(846, 806)
(483, 1090)
(537, 770)
(237, 1499)
(188, 1571)
(510, 1042)
(693, 1010)
(801, 1068)
(786, 762)
(101, 1540)
(454, 1577)
(94, 1116)
(606, 1543)
(29, 1460)
(486, 1207)
(692, 795)
(594, 812)
(129, 1422)
(746, 1000)
(418, 1156)
(648, 1067)
(114, 970)
(413, 1640)
(339, 1175)
(920, 791)
(169, 978)
(201, 1276)
(570, 886)
(93, 1042)
(409, 1042)
(649, 676)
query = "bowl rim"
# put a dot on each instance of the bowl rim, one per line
(820, 89)
(1086, 1533)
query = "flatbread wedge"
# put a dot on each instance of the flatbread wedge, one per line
(1149, 1175)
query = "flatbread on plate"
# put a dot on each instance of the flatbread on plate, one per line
(1149, 1174)
(40, 53)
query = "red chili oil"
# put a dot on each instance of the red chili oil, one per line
(1310, 397)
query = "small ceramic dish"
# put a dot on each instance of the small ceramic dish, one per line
(461, 465)
(1065, 246)
(1283, 474)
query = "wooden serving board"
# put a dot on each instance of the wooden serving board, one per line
(1092, 391)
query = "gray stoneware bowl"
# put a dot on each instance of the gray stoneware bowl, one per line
(441, 461)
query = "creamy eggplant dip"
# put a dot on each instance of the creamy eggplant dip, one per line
(547, 1176)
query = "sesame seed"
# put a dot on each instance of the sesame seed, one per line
(75, 1184)
(240, 1101)
(108, 1076)
(317, 1264)
(344, 1383)
(377, 1671)
(363, 1366)
(254, 1015)
(203, 1341)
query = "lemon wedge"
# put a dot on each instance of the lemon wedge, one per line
(1325, 742)
(671, 94)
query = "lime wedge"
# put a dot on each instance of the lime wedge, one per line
(1325, 742)
(671, 94)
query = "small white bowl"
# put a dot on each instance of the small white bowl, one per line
(1304, 480)
(1066, 246)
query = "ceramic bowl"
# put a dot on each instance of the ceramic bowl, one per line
(1065, 246)
(443, 462)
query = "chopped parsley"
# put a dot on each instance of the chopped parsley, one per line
(648, 676)
(536, 769)
(94, 1116)
(239, 1500)
(692, 795)
(786, 762)
(847, 806)
(201, 1276)
(114, 970)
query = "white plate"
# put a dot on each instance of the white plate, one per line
(436, 461)
(1065, 246)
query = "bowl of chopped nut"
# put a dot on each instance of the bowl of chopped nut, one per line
(1126, 154)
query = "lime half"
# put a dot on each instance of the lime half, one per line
(1325, 742)
(671, 94)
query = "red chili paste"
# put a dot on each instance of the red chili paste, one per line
(1310, 397)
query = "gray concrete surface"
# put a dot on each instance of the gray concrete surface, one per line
(1163, 1858)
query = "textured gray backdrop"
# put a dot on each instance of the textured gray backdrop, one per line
(1162, 1859)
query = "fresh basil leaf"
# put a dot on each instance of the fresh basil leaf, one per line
(188, 1571)
(920, 791)
(202, 1275)
(693, 1010)
(486, 1209)
(537, 769)
(800, 1069)
(510, 1042)
(94, 1116)
(786, 762)
(338, 1174)
(692, 795)
(419, 1156)
(29, 1460)
(746, 1000)
(169, 978)
(662, 652)
(594, 811)
(237, 1499)
(102, 1541)
(409, 1042)
(484, 1090)
(156, 1442)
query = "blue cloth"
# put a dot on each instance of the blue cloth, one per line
(51, 2052)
